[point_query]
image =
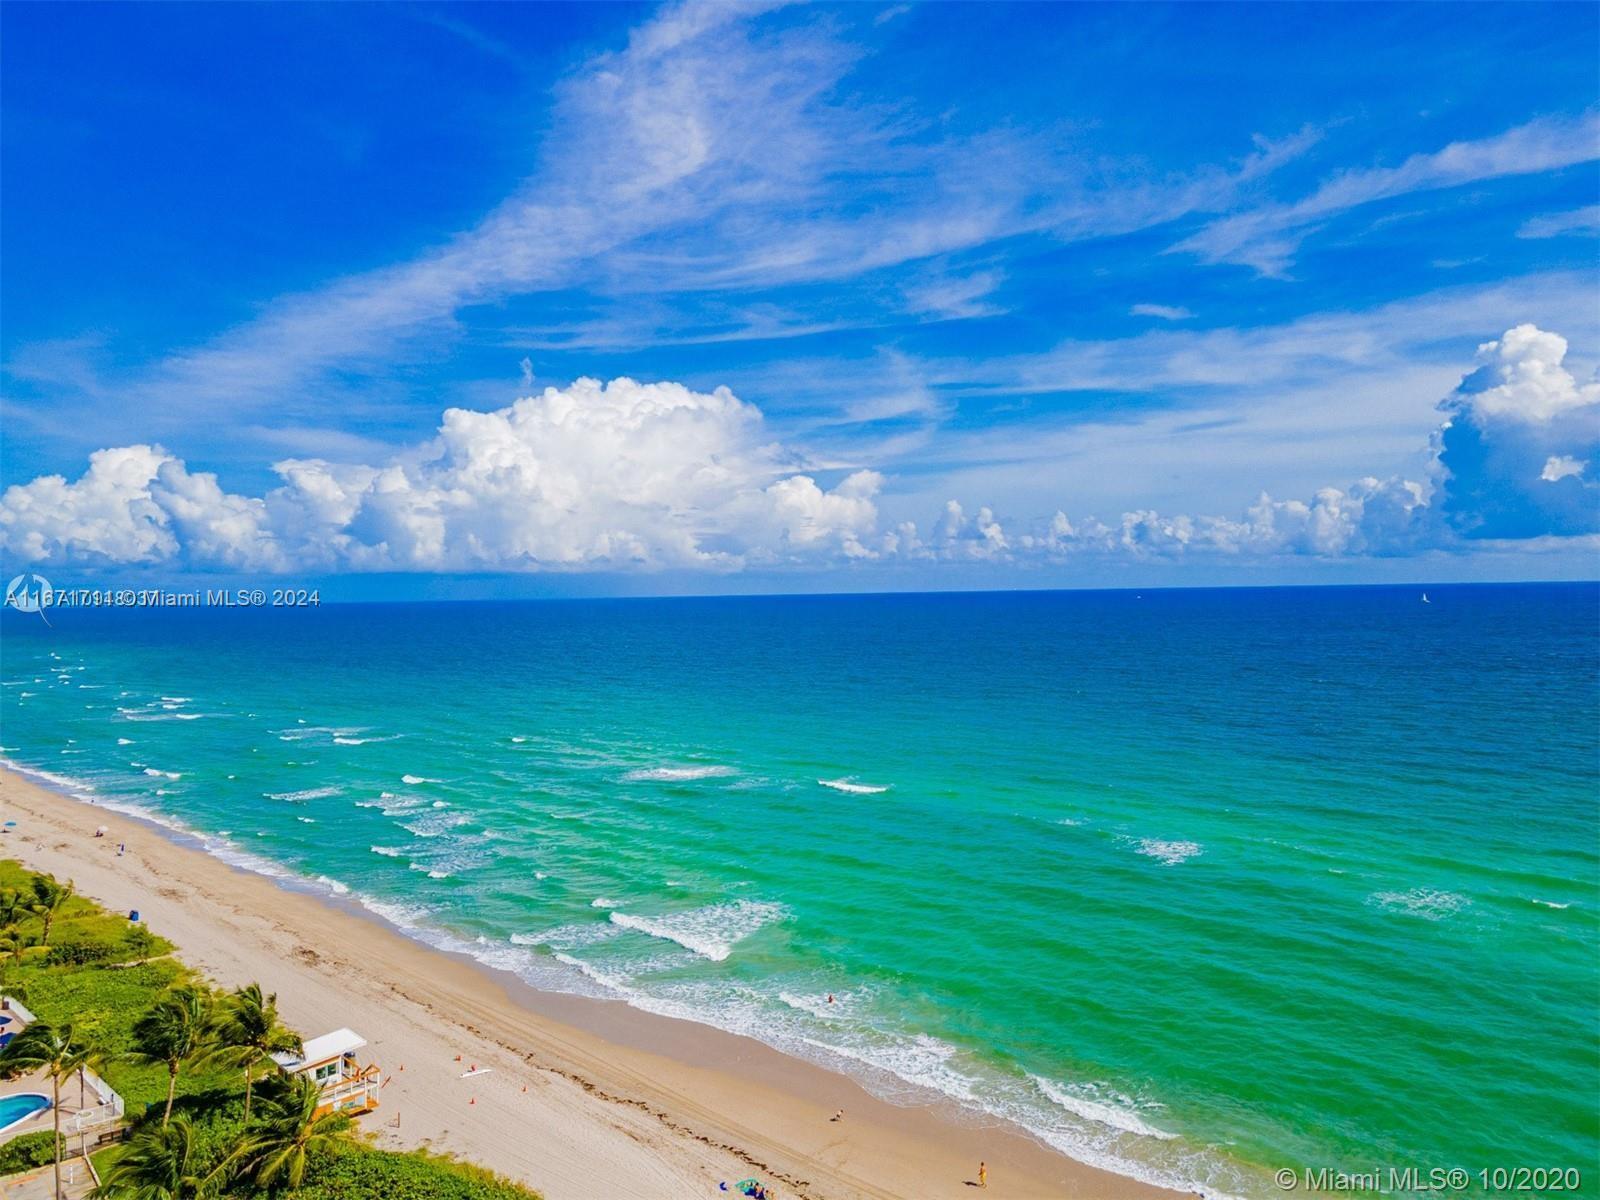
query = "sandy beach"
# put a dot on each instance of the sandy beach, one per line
(575, 1097)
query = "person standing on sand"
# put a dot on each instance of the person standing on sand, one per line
(983, 1175)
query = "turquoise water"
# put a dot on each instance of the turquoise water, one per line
(1191, 884)
(21, 1106)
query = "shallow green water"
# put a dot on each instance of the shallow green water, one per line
(1192, 884)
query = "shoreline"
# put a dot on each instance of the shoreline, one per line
(577, 1095)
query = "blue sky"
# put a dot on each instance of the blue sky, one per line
(1000, 295)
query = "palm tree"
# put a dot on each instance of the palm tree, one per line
(175, 1030)
(58, 1052)
(13, 941)
(49, 896)
(12, 906)
(248, 1030)
(293, 1133)
(158, 1164)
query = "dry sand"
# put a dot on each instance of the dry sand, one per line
(581, 1098)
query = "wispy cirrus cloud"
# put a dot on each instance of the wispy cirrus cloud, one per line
(1164, 312)
(1267, 237)
(1585, 220)
(718, 151)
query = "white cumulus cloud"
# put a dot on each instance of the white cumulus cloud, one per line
(1561, 466)
(621, 474)
(641, 476)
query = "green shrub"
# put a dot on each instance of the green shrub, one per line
(77, 954)
(360, 1173)
(28, 1151)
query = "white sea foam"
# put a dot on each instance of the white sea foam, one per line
(1550, 903)
(855, 789)
(1427, 903)
(1171, 853)
(818, 1005)
(920, 1060)
(678, 774)
(156, 774)
(333, 885)
(602, 902)
(300, 797)
(387, 851)
(519, 739)
(569, 937)
(63, 781)
(712, 931)
(392, 805)
(124, 741)
(615, 983)
(432, 824)
(413, 780)
(1096, 1102)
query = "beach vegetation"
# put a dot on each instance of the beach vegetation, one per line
(29, 1150)
(59, 1051)
(49, 898)
(247, 1030)
(158, 1163)
(291, 1132)
(175, 1032)
(205, 1121)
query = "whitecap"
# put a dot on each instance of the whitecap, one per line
(1427, 903)
(1550, 903)
(124, 741)
(602, 902)
(712, 931)
(151, 771)
(678, 774)
(413, 780)
(616, 983)
(1170, 853)
(1100, 1104)
(319, 793)
(387, 851)
(856, 789)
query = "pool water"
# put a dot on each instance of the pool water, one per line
(20, 1107)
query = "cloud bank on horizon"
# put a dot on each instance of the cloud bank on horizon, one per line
(627, 475)
(905, 326)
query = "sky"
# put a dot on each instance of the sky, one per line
(462, 300)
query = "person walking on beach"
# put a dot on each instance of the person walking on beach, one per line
(983, 1175)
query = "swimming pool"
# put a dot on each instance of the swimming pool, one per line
(19, 1106)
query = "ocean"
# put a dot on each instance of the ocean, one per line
(1194, 885)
